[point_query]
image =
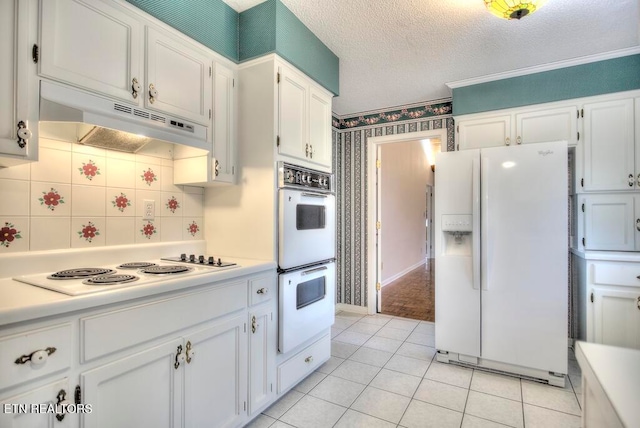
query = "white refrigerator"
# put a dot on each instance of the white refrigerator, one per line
(501, 269)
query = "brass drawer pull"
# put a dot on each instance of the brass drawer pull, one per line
(309, 359)
(262, 290)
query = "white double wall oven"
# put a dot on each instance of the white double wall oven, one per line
(306, 254)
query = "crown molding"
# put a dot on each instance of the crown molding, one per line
(545, 67)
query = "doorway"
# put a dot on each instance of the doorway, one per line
(392, 267)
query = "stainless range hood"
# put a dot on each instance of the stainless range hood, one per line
(100, 122)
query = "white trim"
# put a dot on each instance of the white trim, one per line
(544, 67)
(351, 308)
(372, 214)
(403, 273)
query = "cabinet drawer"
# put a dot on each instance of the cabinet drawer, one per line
(117, 330)
(26, 344)
(615, 273)
(298, 367)
(261, 290)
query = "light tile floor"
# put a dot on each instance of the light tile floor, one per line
(383, 373)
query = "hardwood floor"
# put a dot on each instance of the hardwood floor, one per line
(413, 295)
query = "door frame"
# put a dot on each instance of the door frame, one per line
(374, 252)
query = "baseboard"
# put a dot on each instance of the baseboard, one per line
(403, 273)
(352, 308)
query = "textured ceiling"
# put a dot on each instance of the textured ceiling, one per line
(399, 52)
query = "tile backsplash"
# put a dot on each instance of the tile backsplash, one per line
(77, 196)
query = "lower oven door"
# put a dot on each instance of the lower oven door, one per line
(307, 304)
(306, 227)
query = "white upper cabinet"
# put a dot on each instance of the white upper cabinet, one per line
(611, 222)
(224, 124)
(539, 126)
(18, 86)
(481, 132)
(304, 120)
(535, 124)
(609, 146)
(178, 78)
(92, 45)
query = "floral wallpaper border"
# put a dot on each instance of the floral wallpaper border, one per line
(409, 112)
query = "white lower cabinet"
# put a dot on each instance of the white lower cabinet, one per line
(215, 361)
(303, 363)
(196, 358)
(49, 394)
(613, 305)
(120, 391)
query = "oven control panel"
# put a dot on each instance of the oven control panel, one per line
(296, 176)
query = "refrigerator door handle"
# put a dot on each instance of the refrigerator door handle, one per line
(484, 222)
(475, 237)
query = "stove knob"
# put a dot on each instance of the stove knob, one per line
(219, 262)
(183, 257)
(192, 258)
(212, 261)
(201, 259)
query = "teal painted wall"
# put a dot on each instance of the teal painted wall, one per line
(210, 22)
(271, 27)
(602, 77)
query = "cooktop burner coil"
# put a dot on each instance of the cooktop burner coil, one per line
(135, 265)
(165, 270)
(110, 279)
(80, 273)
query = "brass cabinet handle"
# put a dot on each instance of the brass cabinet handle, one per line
(507, 141)
(153, 93)
(262, 290)
(23, 134)
(189, 352)
(254, 324)
(638, 224)
(519, 140)
(638, 180)
(61, 402)
(309, 359)
(216, 167)
(135, 88)
(36, 357)
(631, 180)
(311, 151)
(638, 303)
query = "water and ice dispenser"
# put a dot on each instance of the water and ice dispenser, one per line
(457, 234)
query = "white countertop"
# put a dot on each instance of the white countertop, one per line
(617, 370)
(614, 256)
(23, 302)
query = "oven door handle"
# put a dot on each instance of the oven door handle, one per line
(307, 272)
(314, 195)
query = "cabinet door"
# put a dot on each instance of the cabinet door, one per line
(616, 315)
(215, 378)
(142, 390)
(44, 395)
(93, 45)
(292, 123)
(609, 146)
(558, 124)
(178, 78)
(16, 103)
(319, 127)
(224, 124)
(484, 132)
(609, 222)
(262, 354)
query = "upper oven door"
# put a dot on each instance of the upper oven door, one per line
(306, 229)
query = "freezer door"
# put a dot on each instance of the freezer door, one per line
(525, 255)
(457, 274)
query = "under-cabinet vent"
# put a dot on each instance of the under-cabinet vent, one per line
(140, 113)
(122, 109)
(157, 118)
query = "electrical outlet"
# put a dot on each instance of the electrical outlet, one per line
(149, 209)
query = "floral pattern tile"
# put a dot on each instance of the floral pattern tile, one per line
(172, 204)
(148, 177)
(8, 234)
(148, 230)
(121, 202)
(88, 232)
(51, 199)
(89, 170)
(193, 229)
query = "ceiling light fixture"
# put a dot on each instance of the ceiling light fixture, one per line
(513, 9)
